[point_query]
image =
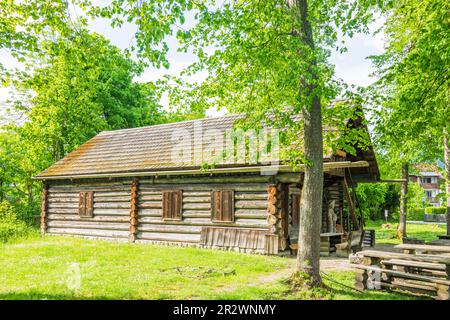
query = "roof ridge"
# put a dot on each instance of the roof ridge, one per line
(169, 124)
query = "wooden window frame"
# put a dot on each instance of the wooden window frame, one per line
(213, 208)
(175, 210)
(86, 204)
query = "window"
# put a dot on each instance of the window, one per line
(172, 204)
(86, 204)
(222, 206)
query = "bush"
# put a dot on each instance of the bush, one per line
(415, 214)
(436, 210)
(10, 226)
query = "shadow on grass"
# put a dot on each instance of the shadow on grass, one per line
(36, 295)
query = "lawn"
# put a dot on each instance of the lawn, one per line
(385, 232)
(72, 268)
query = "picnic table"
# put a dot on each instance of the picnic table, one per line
(421, 269)
(423, 248)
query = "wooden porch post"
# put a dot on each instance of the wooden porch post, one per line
(351, 207)
(44, 208)
(134, 210)
(273, 237)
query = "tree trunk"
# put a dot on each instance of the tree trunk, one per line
(401, 231)
(308, 256)
(447, 176)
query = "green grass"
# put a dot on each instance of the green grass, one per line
(386, 235)
(49, 268)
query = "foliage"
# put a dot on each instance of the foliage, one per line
(436, 210)
(411, 105)
(372, 199)
(10, 225)
(415, 214)
(47, 268)
(415, 197)
(81, 86)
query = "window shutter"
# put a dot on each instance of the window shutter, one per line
(86, 204)
(216, 206)
(172, 204)
(82, 204)
(89, 204)
(227, 205)
(177, 201)
(222, 205)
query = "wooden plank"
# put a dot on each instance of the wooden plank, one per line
(90, 232)
(250, 187)
(111, 212)
(143, 197)
(248, 204)
(197, 206)
(109, 199)
(197, 199)
(404, 256)
(194, 238)
(351, 206)
(208, 179)
(44, 208)
(150, 204)
(73, 217)
(112, 205)
(89, 204)
(403, 275)
(424, 247)
(88, 225)
(414, 264)
(170, 228)
(250, 196)
(228, 205)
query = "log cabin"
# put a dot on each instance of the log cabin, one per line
(172, 184)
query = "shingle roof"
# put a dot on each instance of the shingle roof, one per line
(160, 147)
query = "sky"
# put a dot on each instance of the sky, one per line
(353, 66)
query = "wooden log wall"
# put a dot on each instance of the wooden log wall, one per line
(131, 209)
(250, 207)
(111, 216)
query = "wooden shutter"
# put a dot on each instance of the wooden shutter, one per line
(216, 206)
(89, 204)
(172, 204)
(222, 205)
(82, 204)
(86, 204)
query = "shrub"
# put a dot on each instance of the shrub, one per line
(415, 214)
(10, 226)
(436, 210)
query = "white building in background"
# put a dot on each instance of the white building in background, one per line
(430, 179)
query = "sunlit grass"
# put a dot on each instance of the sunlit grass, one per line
(74, 268)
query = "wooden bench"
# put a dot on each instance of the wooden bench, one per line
(419, 273)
